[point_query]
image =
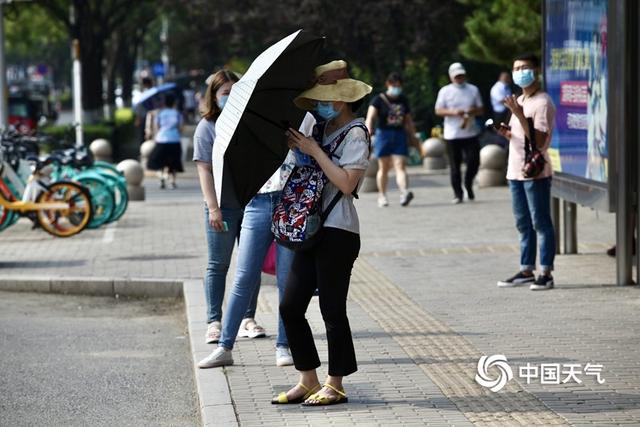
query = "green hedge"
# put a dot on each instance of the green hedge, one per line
(120, 133)
(65, 135)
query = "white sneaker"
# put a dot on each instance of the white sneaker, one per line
(456, 201)
(213, 333)
(218, 357)
(249, 328)
(382, 201)
(283, 356)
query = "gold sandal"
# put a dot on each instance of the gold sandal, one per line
(326, 401)
(282, 399)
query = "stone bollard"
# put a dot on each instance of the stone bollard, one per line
(134, 174)
(493, 164)
(145, 151)
(369, 184)
(101, 150)
(434, 150)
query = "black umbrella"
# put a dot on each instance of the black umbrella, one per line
(250, 140)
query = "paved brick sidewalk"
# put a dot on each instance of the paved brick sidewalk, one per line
(424, 307)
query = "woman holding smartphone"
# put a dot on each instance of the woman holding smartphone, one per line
(222, 222)
(327, 265)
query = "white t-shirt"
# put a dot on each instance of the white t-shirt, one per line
(352, 153)
(459, 98)
(499, 92)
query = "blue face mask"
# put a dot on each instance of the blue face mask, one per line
(523, 78)
(394, 91)
(326, 111)
(222, 101)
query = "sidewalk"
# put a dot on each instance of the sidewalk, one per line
(424, 307)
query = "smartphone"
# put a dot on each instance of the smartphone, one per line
(490, 124)
(225, 227)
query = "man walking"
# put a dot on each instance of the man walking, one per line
(459, 103)
(499, 92)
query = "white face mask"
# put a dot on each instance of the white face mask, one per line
(394, 91)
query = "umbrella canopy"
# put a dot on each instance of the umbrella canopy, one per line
(148, 96)
(250, 140)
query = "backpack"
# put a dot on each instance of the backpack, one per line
(298, 217)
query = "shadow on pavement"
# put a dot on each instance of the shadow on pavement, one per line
(42, 264)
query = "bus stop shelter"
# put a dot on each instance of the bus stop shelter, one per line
(591, 50)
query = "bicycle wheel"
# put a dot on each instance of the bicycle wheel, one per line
(107, 168)
(118, 186)
(67, 222)
(7, 218)
(102, 199)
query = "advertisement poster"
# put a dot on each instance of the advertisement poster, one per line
(576, 79)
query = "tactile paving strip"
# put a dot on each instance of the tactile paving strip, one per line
(446, 357)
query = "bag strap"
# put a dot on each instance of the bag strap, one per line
(344, 134)
(385, 99)
(528, 146)
(332, 204)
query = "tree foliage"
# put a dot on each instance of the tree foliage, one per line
(500, 29)
(94, 23)
(31, 36)
(416, 37)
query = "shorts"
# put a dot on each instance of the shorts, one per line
(390, 142)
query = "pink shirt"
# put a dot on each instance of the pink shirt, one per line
(539, 107)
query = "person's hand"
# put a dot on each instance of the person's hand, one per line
(291, 143)
(511, 102)
(215, 219)
(503, 130)
(303, 143)
(461, 112)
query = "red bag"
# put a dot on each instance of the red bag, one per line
(269, 264)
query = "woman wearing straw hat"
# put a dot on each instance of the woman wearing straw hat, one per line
(327, 266)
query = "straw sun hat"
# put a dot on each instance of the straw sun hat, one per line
(332, 84)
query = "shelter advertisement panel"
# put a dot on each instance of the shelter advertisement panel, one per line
(577, 81)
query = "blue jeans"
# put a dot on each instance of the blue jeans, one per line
(532, 211)
(220, 248)
(255, 239)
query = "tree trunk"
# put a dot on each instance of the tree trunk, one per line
(92, 81)
(126, 70)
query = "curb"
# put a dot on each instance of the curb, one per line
(216, 406)
(127, 287)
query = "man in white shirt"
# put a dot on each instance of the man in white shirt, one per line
(499, 92)
(459, 103)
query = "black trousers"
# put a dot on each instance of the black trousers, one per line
(327, 267)
(469, 149)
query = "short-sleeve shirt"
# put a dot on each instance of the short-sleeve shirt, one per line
(455, 97)
(499, 91)
(203, 140)
(352, 153)
(168, 121)
(539, 107)
(391, 114)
